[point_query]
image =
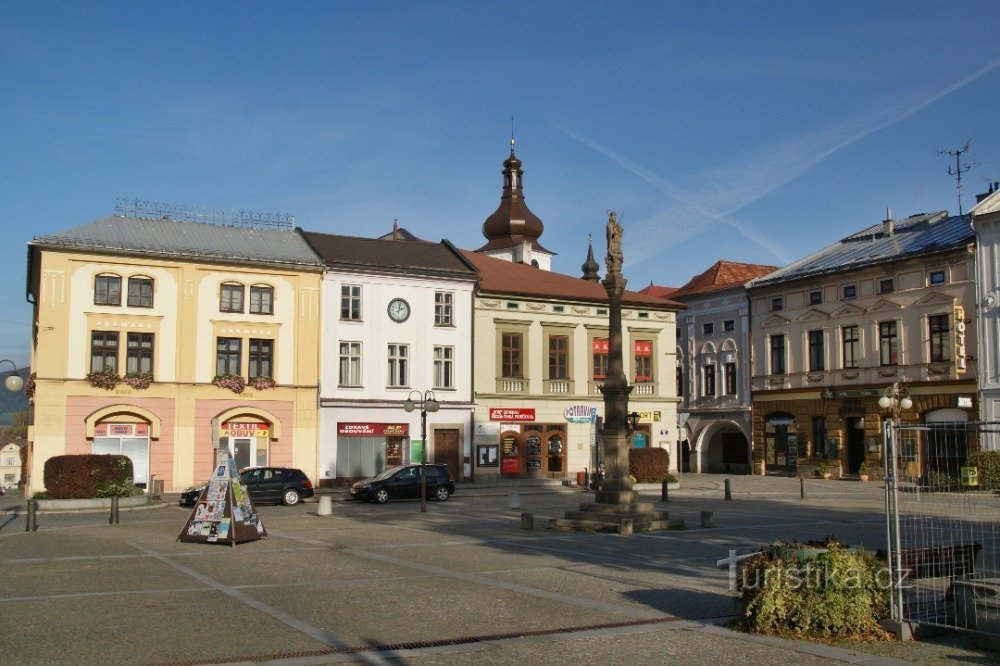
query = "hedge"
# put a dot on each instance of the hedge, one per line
(988, 463)
(649, 465)
(89, 475)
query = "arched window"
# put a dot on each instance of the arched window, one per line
(140, 292)
(261, 299)
(107, 289)
(231, 297)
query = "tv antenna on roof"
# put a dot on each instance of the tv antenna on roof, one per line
(958, 169)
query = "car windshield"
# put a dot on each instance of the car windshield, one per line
(388, 473)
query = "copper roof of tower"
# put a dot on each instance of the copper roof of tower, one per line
(512, 223)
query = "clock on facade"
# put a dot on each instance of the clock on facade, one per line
(399, 310)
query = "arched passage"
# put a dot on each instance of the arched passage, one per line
(723, 448)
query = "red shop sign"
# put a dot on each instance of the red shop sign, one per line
(510, 465)
(511, 414)
(374, 429)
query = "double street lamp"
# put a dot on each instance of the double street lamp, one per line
(426, 403)
(896, 398)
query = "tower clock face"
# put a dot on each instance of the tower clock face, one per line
(399, 310)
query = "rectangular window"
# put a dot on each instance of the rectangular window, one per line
(103, 351)
(937, 277)
(680, 382)
(601, 347)
(729, 325)
(708, 383)
(107, 290)
(708, 329)
(940, 338)
(817, 355)
(444, 367)
(140, 292)
(228, 356)
(815, 297)
(777, 354)
(558, 357)
(730, 370)
(643, 360)
(444, 308)
(261, 358)
(850, 291)
(261, 300)
(849, 337)
(350, 364)
(139, 352)
(888, 340)
(398, 366)
(510, 364)
(886, 286)
(778, 303)
(350, 302)
(819, 437)
(231, 298)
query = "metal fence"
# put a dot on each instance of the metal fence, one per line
(942, 526)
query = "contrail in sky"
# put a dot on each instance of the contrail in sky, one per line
(773, 166)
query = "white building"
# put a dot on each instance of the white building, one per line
(986, 223)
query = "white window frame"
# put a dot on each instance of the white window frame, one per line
(444, 367)
(350, 363)
(444, 308)
(351, 295)
(398, 356)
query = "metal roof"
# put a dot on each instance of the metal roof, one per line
(167, 237)
(413, 257)
(917, 235)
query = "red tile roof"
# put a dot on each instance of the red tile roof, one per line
(658, 291)
(722, 275)
(506, 277)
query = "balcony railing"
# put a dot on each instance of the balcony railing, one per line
(512, 385)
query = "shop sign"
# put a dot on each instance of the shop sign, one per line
(241, 429)
(960, 338)
(416, 450)
(373, 429)
(649, 417)
(965, 401)
(510, 466)
(512, 414)
(580, 413)
(121, 430)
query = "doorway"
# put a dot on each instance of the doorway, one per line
(446, 450)
(855, 443)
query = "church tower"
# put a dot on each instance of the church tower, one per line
(512, 231)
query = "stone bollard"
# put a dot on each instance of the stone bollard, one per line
(325, 506)
(802, 488)
(664, 492)
(527, 521)
(729, 491)
(513, 500)
(113, 518)
(626, 527)
(706, 519)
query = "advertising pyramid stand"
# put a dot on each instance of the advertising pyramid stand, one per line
(224, 513)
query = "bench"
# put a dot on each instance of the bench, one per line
(953, 561)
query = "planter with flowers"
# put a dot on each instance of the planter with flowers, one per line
(138, 380)
(29, 386)
(261, 383)
(234, 383)
(863, 472)
(106, 379)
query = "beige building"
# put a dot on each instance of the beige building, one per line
(541, 353)
(163, 340)
(891, 304)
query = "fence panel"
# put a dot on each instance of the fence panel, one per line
(942, 526)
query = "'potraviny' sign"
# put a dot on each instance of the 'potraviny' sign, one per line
(579, 413)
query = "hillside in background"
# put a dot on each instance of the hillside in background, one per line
(12, 403)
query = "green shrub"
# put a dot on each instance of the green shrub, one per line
(841, 592)
(940, 481)
(988, 463)
(84, 476)
(648, 465)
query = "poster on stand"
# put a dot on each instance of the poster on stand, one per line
(224, 513)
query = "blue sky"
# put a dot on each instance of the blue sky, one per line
(748, 131)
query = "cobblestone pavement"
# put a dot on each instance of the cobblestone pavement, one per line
(380, 583)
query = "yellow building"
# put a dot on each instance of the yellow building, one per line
(146, 331)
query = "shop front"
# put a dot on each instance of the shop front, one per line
(247, 440)
(366, 449)
(127, 439)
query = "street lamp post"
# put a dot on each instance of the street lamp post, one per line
(426, 403)
(14, 383)
(894, 398)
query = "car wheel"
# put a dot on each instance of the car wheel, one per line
(441, 493)
(290, 497)
(382, 495)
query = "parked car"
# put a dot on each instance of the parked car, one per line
(404, 483)
(280, 485)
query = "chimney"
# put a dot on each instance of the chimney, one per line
(994, 186)
(395, 230)
(888, 226)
